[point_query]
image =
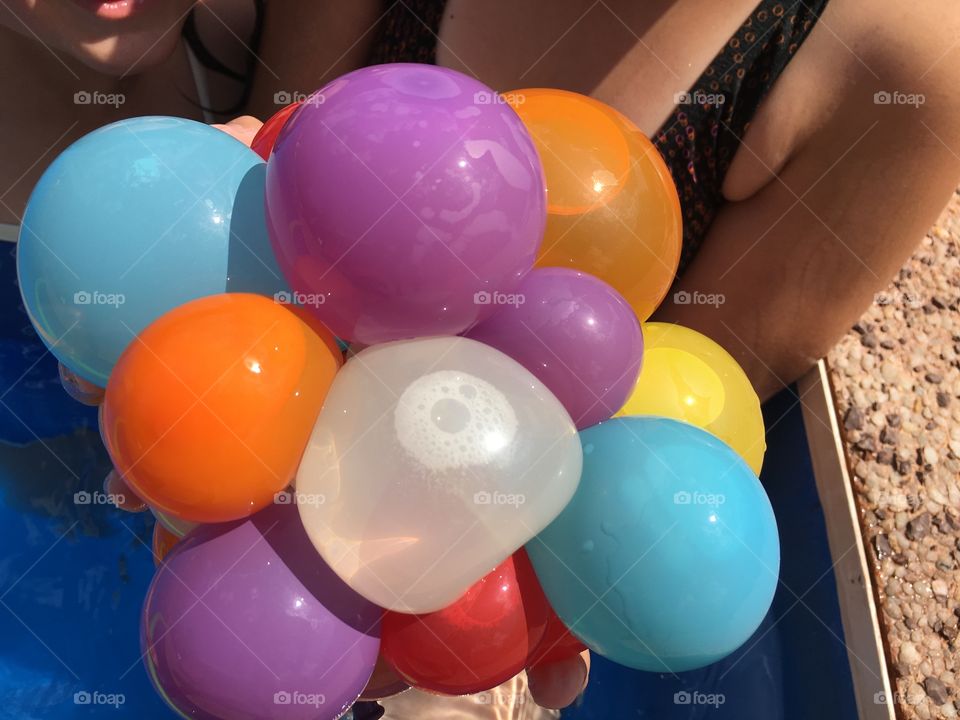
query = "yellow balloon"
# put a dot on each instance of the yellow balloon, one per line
(687, 376)
(612, 207)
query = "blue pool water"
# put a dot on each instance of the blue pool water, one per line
(73, 576)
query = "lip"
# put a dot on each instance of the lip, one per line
(112, 9)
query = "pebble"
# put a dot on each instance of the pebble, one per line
(889, 372)
(881, 546)
(936, 690)
(919, 527)
(909, 655)
(939, 588)
(853, 419)
(915, 694)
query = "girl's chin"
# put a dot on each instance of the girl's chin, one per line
(126, 54)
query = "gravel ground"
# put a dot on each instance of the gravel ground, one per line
(896, 377)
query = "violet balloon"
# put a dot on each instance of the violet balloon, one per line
(397, 196)
(576, 334)
(244, 620)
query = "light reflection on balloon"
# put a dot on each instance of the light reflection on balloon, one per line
(612, 208)
(689, 377)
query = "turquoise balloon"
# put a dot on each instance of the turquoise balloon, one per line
(133, 220)
(667, 557)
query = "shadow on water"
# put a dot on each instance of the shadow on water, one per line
(58, 478)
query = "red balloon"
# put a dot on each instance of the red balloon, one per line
(267, 134)
(478, 642)
(558, 643)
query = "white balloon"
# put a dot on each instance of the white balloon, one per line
(431, 462)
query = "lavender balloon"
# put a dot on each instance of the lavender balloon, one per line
(244, 620)
(397, 196)
(576, 334)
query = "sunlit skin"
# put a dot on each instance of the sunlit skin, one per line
(163, 542)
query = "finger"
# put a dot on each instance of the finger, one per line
(243, 128)
(121, 494)
(79, 389)
(554, 685)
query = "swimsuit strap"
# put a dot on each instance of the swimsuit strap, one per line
(409, 31)
(700, 138)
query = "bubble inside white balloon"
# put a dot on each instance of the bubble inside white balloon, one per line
(451, 419)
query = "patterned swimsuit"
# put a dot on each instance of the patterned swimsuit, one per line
(700, 138)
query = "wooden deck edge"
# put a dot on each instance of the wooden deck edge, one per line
(857, 596)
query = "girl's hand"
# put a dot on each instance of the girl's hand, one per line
(79, 389)
(122, 495)
(243, 128)
(557, 684)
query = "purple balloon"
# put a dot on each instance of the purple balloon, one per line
(244, 620)
(576, 334)
(397, 195)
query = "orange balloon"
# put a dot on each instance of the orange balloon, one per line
(612, 208)
(163, 542)
(208, 411)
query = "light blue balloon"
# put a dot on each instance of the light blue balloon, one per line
(133, 220)
(667, 557)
